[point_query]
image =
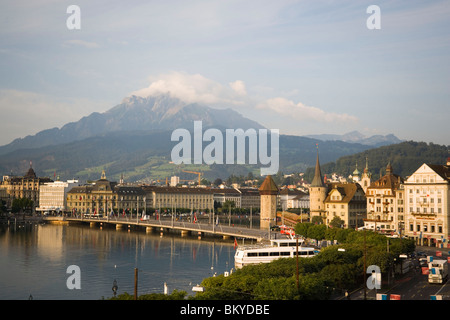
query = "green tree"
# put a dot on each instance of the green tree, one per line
(21, 205)
(336, 222)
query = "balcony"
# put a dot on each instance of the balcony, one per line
(422, 214)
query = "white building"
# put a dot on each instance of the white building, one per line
(53, 195)
(174, 181)
(427, 193)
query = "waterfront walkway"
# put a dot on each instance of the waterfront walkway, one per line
(165, 225)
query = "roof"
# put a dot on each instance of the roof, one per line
(442, 170)
(388, 181)
(30, 174)
(347, 190)
(268, 186)
(317, 180)
(291, 191)
(165, 189)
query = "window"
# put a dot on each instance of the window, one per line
(274, 254)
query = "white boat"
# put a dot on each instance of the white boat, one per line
(279, 248)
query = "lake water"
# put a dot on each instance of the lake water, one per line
(34, 261)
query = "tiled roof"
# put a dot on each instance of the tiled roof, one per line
(268, 186)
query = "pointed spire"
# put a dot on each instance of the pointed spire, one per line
(317, 181)
(389, 169)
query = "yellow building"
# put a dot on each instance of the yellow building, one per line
(346, 201)
(104, 196)
(23, 187)
(179, 197)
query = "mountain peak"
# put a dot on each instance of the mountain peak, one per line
(159, 112)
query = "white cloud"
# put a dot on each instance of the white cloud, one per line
(86, 44)
(239, 87)
(192, 88)
(300, 111)
(197, 88)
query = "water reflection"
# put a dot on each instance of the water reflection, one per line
(34, 261)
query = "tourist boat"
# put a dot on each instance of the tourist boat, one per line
(278, 248)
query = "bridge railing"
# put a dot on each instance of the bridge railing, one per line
(169, 223)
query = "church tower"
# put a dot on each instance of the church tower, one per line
(366, 177)
(317, 192)
(268, 192)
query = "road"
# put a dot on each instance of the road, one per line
(413, 285)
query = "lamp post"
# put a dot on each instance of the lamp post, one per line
(115, 287)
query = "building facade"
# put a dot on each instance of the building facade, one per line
(104, 197)
(346, 201)
(179, 197)
(293, 198)
(27, 186)
(427, 193)
(53, 196)
(227, 194)
(386, 204)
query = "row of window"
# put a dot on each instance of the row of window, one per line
(278, 254)
(425, 210)
(432, 228)
(425, 200)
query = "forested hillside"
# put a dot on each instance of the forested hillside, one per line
(405, 158)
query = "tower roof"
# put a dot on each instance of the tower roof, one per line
(317, 180)
(268, 186)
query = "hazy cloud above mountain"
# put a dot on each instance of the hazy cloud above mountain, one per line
(195, 88)
(302, 112)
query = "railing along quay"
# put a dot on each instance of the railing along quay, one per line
(199, 227)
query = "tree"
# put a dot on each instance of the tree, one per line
(336, 222)
(227, 205)
(21, 204)
(317, 220)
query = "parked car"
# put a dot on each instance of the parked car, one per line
(423, 262)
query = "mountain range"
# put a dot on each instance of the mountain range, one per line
(357, 137)
(133, 139)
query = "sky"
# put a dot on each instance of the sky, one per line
(303, 67)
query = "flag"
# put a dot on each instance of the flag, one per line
(235, 243)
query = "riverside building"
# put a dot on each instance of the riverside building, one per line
(26, 186)
(53, 196)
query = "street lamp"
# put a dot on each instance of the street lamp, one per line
(114, 287)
